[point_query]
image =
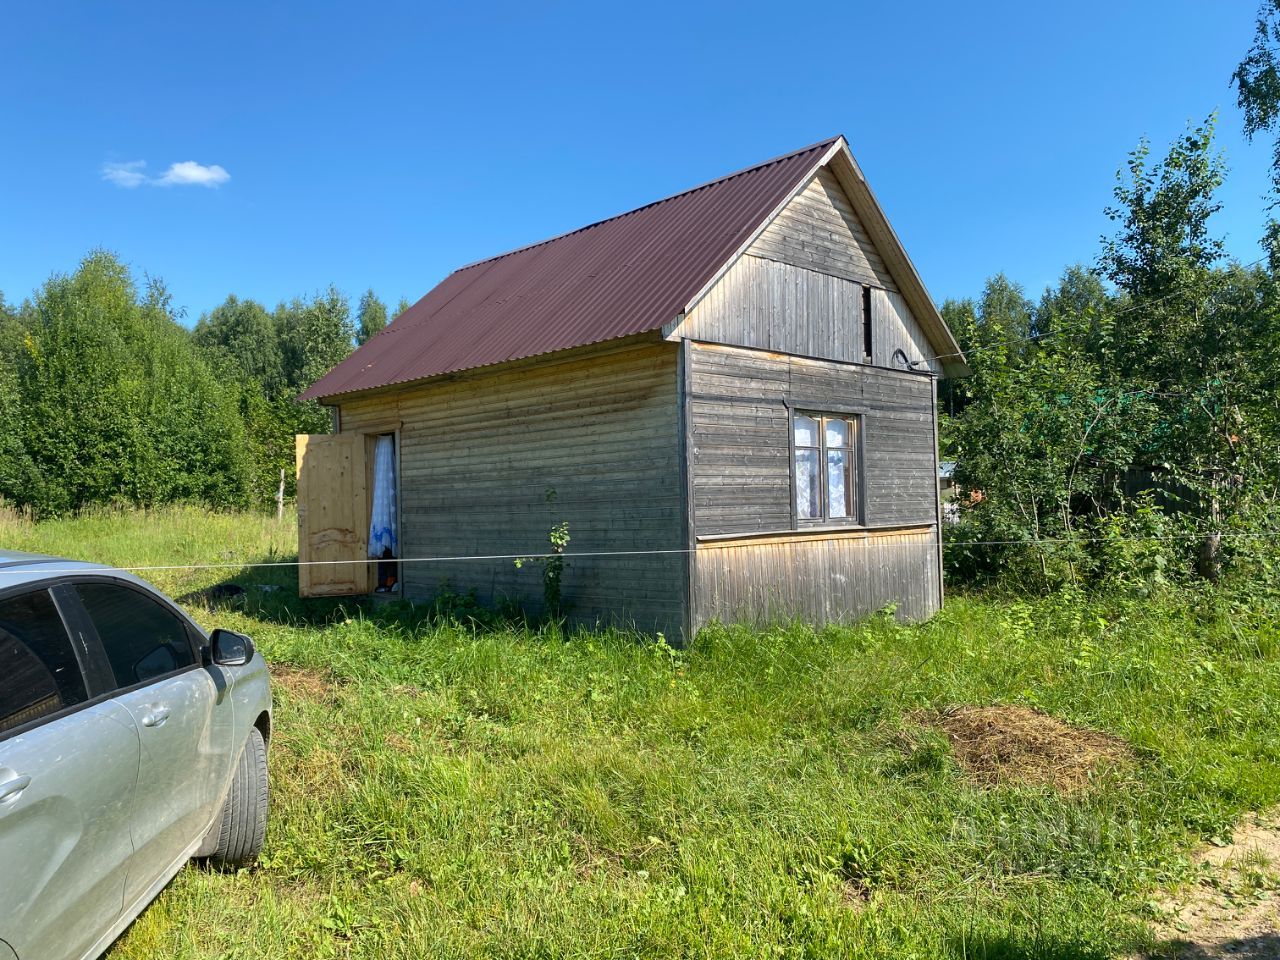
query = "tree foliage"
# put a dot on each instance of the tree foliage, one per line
(241, 337)
(371, 316)
(1257, 78)
(106, 398)
(1144, 405)
(110, 400)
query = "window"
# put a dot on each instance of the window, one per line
(826, 459)
(39, 674)
(142, 638)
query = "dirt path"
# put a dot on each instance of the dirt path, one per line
(1234, 908)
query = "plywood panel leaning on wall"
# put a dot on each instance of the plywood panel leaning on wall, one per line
(333, 515)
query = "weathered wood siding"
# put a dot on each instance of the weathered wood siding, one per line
(895, 328)
(479, 452)
(740, 404)
(799, 289)
(828, 578)
(778, 306)
(819, 230)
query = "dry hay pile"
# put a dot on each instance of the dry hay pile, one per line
(301, 683)
(1003, 745)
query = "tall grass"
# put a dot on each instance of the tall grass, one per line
(217, 544)
(446, 790)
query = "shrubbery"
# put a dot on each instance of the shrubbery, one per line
(1124, 432)
(106, 398)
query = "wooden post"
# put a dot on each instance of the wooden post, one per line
(280, 498)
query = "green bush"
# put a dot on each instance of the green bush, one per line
(113, 403)
(105, 398)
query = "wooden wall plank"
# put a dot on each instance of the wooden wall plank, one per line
(896, 329)
(819, 230)
(784, 308)
(818, 580)
(740, 402)
(478, 454)
(799, 290)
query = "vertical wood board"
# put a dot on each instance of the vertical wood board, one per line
(333, 515)
(836, 579)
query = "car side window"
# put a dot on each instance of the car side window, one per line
(39, 674)
(142, 638)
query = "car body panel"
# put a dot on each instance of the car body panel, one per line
(184, 770)
(170, 800)
(68, 830)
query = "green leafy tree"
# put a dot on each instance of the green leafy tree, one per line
(117, 406)
(1031, 421)
(1006, 316)
(242, 334)
(1257, 81)
(1190, 332)
(1077, 308)
(1147, 408)
(315, 335)
(1163, 258)
(18, 474)
(371, 316)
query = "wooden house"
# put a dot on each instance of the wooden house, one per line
(729, 395)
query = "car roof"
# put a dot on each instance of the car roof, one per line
(17, 567)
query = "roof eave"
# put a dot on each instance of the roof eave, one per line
(836, 145)
(839, 159)
(885, 238)
(547, 356)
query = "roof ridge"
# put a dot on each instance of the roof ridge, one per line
(821, 144)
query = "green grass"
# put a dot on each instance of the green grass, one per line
(445, 790)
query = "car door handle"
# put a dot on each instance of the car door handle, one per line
(157, 716)
(10, 789)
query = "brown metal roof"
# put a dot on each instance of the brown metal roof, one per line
(627, 275)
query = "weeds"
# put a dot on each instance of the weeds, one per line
(451, 783)
(552, 567)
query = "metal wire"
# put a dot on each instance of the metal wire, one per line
(945, 544)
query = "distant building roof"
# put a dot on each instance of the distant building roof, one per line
(627, 275)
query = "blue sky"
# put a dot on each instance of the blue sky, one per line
(383, 145)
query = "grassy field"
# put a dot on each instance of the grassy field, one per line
(442, 789)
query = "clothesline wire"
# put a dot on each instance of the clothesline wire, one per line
(933, 543)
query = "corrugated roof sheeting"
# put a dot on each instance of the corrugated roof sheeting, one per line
(627, 275)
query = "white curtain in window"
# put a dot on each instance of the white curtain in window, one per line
(808, 485)
(382, 525)
(837, 488)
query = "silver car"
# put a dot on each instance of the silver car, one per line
(130, 742)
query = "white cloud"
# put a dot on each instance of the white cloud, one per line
(188, 172)
(132, 173)
(127, 174)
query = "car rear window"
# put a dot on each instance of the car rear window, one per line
(39, 674)
(142, 638)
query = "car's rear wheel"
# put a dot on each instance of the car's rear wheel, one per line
(242, 825)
